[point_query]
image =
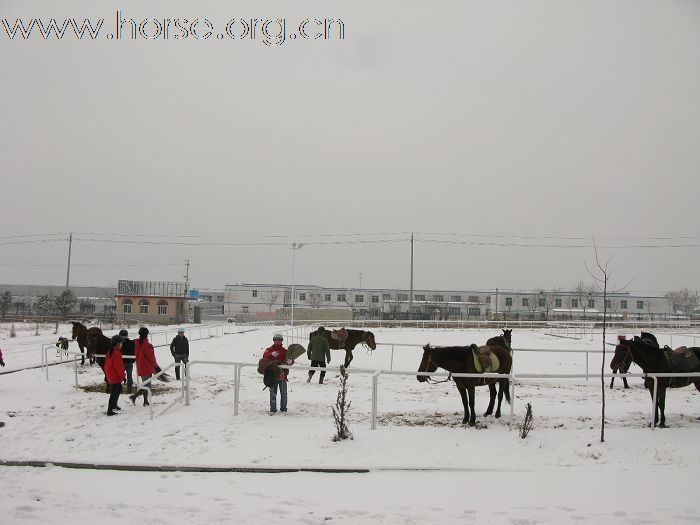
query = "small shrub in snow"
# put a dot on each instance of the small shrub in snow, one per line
(341, 408)
(12, 331)
(527, 422)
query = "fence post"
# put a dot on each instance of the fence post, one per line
(187, 385)
(391, 366)
(375, 383)
(654, 400)
(236, 388)
(75, 370)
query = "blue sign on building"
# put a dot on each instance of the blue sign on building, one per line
(194, 294)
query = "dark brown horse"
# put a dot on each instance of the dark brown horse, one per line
(621, 367)
(503, 341)
(460, 359)
(80, 332)
(652, 359)
(351, 339)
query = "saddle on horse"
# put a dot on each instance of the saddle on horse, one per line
(484, 359)
(340, 335)
(681, 359)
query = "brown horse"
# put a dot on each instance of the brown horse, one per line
(460, 359)
(652, 359)
(349, 342)
(80, 332)
(504, 341)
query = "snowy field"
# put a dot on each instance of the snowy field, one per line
(422, 464)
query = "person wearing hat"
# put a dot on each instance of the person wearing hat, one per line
(114, 372)
(128, 353)
(145, 363)
(180, 349)
(278, 353)
(318, 351)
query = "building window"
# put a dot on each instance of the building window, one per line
(386, 296)
(640, 305)
(574, 303)
(453, 310)
(488, 299)
(302, 297)
(557, 302)
(143, 306)
(438, 298)
(475, 311)
(162, 307)
(341, 298)
(359, 298)
(127, 307)
(456, 298)
(402, 297)
(244, 309)
(526, 301)
(591, 303)
(375, 298)
(607, 304)
(623, 304)
(541, 302)
(255, 293)
(473, 299)
(509, 301)
(420, 297)
(327, 297)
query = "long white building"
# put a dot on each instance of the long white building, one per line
(274, 301)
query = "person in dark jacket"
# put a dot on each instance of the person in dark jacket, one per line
(2, 363)
(114, 372)
(146, 364)
(318, 351)
(180, 349)
(128, 353)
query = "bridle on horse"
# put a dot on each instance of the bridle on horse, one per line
(363, 342)
(432, 381)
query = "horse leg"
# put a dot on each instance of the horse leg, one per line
(348, 358)
(612, 379)
(82, 356)
(471, 393)
(662, 406)
(501, 386)
(624, 380)
(465, 401)
(492, 400)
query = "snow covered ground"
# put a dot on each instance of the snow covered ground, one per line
(423, 465)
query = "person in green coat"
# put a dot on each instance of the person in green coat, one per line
(318, 351)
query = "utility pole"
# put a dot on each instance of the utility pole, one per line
(295, 246)
(187, 277)
(410, 295)
(360, 281)
(70, 244)
(496, 304)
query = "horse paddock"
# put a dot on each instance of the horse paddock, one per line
(419, 445)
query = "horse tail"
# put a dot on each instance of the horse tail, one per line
(506, 383)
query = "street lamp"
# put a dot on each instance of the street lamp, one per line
(295, 246)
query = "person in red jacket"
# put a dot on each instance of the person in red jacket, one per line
(278, 353)
(145, 363)
(115, 374)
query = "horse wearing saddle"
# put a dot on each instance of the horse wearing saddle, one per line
(484, 359)
(340, 335)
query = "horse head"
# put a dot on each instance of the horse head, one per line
(78, 328)
(507, 334)
(368, 339)
(623, 356)
(426, 364)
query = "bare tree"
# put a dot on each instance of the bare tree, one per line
(315, 299)
(533, 304)
(546, 300)
(601, 278)
(270, 297)
(684, 301)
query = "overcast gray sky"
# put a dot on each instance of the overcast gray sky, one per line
(481, 126)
